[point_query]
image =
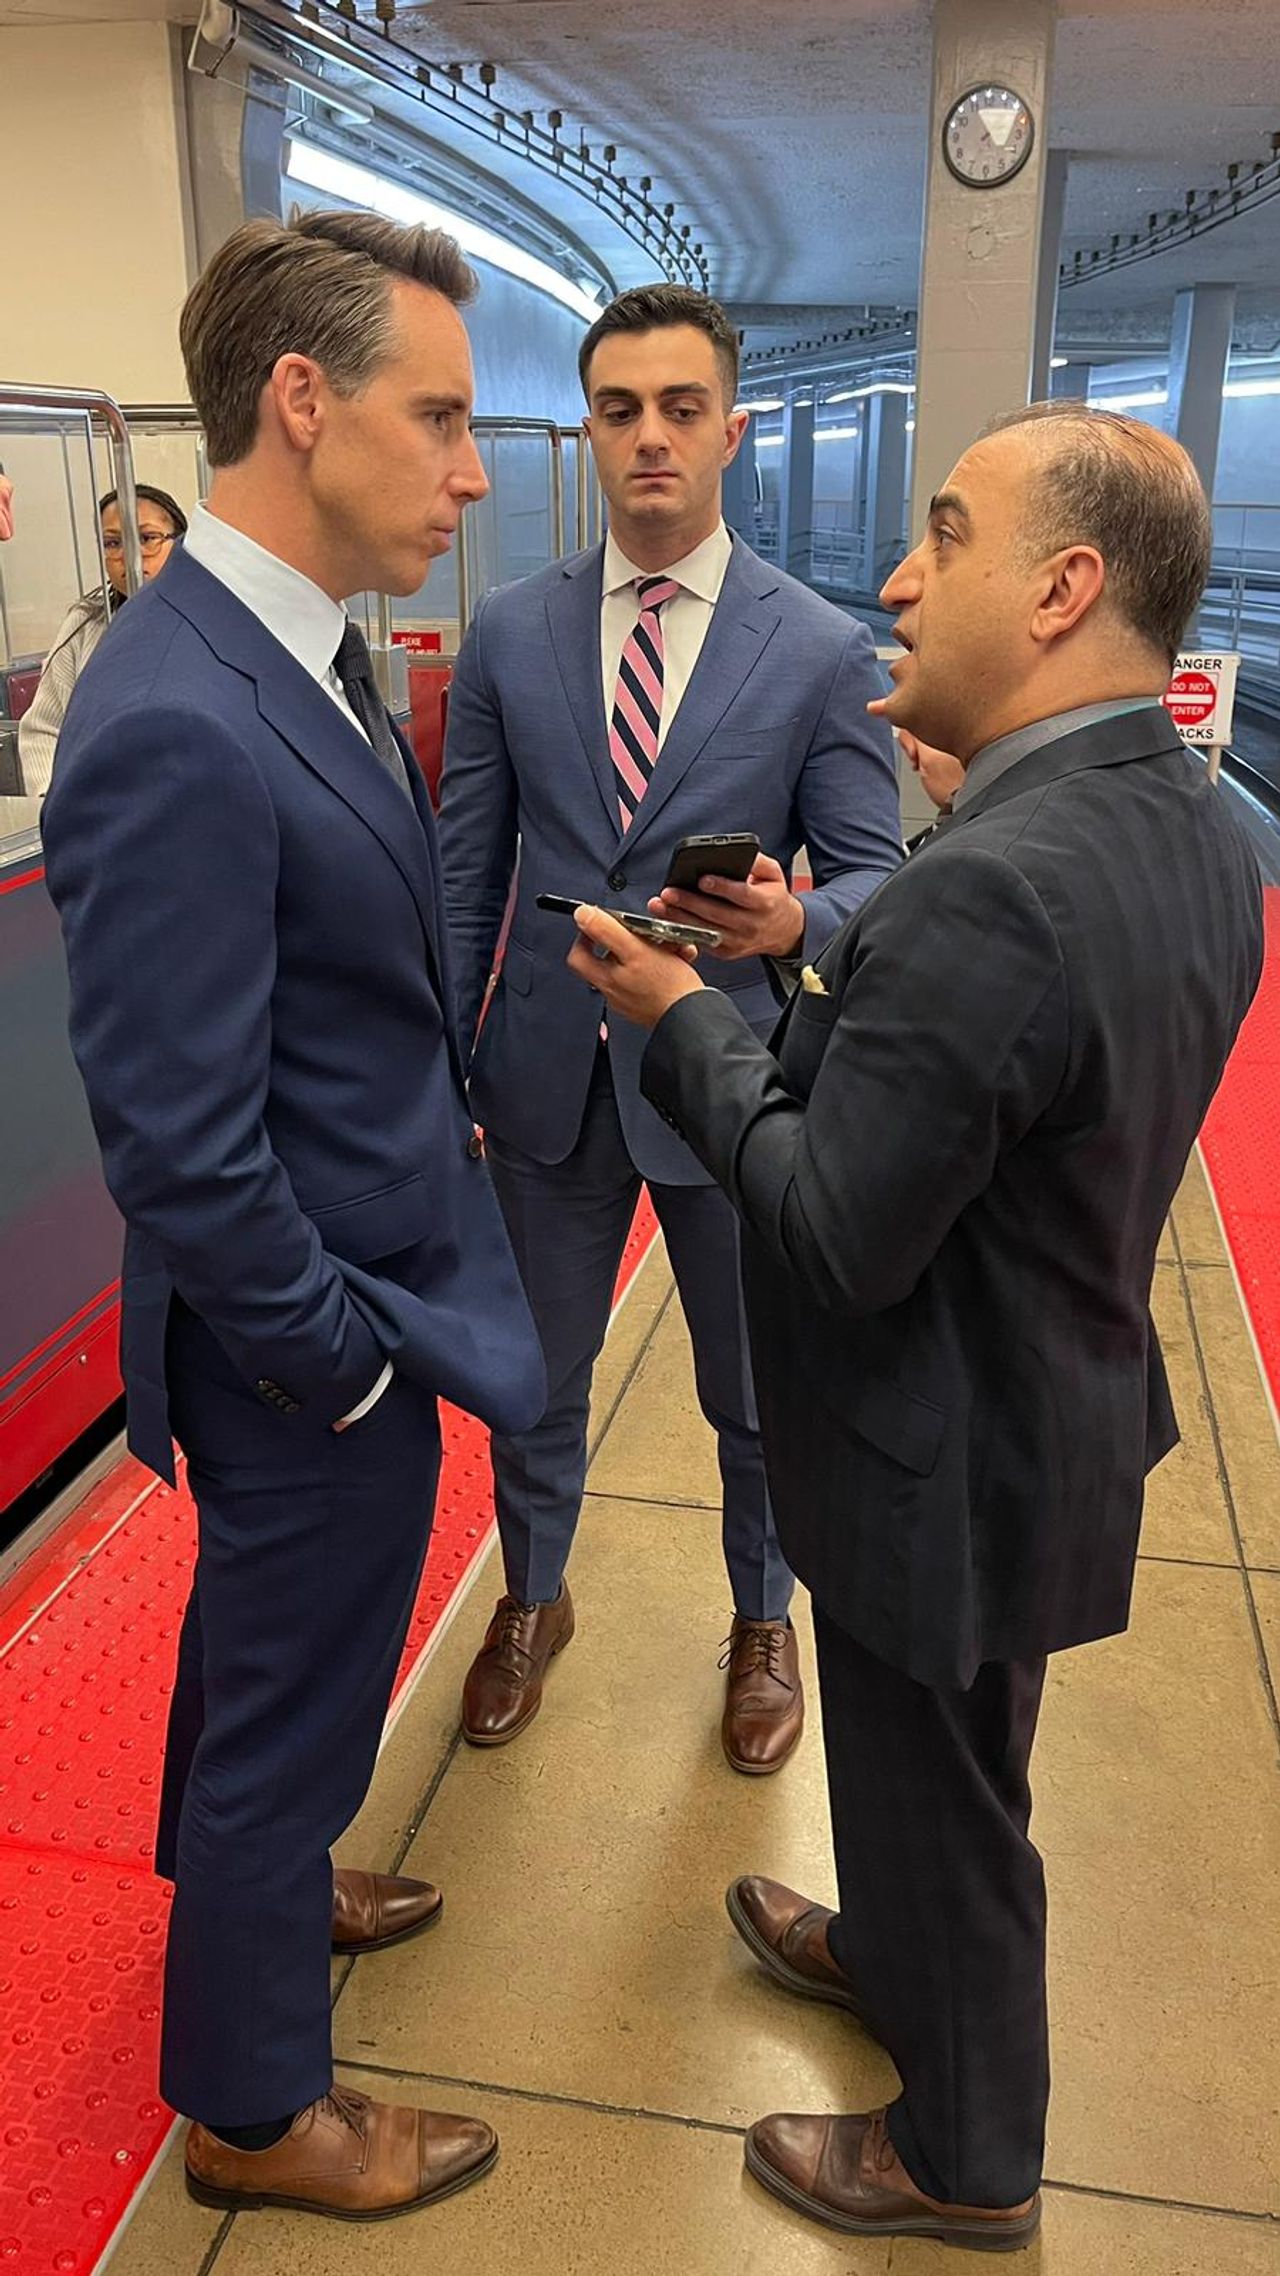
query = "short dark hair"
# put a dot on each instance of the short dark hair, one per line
(655, 308)
(316, 286)
(1133, 492)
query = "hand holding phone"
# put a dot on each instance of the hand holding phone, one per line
(729, 854)
(663, 931)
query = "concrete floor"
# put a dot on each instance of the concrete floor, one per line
(586, 1993)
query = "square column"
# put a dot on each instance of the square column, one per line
(983, 249)
(738, 490)
(795, 501)
(1199, 350)
(885, 460)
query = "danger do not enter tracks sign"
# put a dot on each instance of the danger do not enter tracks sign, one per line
(1200, 697)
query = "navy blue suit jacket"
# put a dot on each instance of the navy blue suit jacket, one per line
(261, 1011)
(772, 735)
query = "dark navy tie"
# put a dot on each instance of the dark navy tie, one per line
(354, 667)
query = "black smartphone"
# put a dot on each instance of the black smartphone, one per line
(727, 854)
(663, 930)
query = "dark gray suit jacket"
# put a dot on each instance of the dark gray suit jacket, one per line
(952, 1171)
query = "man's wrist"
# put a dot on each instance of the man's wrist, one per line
(795, 939)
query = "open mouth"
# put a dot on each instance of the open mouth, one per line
(903, 639)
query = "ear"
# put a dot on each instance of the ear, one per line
(1069, 585)
(297, 392)
(586, 425)
(735, 427)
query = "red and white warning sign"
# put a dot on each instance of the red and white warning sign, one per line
(1200, 697)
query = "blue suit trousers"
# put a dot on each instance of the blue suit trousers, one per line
(311, 1546)
(568, 1224)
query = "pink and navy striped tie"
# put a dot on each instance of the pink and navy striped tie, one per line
(637, 702)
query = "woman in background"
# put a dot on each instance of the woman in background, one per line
(161, 522)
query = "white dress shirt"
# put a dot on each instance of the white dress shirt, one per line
(686, 619)
(294, 610)
(310, 625)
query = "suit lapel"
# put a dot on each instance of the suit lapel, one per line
(297, 707)
(573, 619)
(743, 622)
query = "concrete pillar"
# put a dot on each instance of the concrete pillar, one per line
(1198, 352)
(980, 270)
(739, 488)
(1055, 198)
(795, 501)
(885, 459)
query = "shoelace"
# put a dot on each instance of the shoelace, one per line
(351, 2107)
(513, 1621)
(756, 1650)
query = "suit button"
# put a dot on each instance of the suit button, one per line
(617, 879)
(475, 1146)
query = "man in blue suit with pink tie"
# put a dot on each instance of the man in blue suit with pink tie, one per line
(244, 860)
(667, 684)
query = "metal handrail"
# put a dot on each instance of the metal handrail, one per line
(488, 425)
(91, 400)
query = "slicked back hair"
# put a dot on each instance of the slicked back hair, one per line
(318, 286)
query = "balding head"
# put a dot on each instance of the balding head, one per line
(1128, 491)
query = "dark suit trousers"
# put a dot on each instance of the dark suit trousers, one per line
(311, 1544)
(568, 1224)
(941, 1928)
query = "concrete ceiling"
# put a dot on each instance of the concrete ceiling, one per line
(791, 134)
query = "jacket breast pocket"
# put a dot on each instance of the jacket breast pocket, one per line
(376, 1224)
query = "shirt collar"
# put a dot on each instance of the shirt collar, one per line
(994, 759)
(701, 572)
(302, 618)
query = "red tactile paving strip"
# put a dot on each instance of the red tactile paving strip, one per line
(88, 1636)
(1241, 1147)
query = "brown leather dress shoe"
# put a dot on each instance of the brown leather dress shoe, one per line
(847, 2173)
(503, 1690)
(347, 2156)
(764, 1697)
(788, 1936)
(374, 1910)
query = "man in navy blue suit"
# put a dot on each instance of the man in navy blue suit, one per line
(243, 857)
(666, 684)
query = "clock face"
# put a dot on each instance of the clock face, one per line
(988, 136)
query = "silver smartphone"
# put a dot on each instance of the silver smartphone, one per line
(663, 930)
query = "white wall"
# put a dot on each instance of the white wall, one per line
(93, 191)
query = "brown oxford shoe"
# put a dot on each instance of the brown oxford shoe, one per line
(788, 1936)
(374, 1910)
(503, 1690)
(846, 2173)
(764, 1697)
(347, 2156)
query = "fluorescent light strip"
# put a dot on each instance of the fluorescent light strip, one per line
(820, 435)
(358, 185)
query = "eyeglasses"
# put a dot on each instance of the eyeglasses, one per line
(150, 541)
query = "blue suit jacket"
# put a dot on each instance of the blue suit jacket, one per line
(772, 735)
(261, 1011)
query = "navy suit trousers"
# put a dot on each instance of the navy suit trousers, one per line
(568, 1224)
(941, 1928)
(311, 1546)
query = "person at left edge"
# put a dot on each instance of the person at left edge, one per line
(243, 857)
